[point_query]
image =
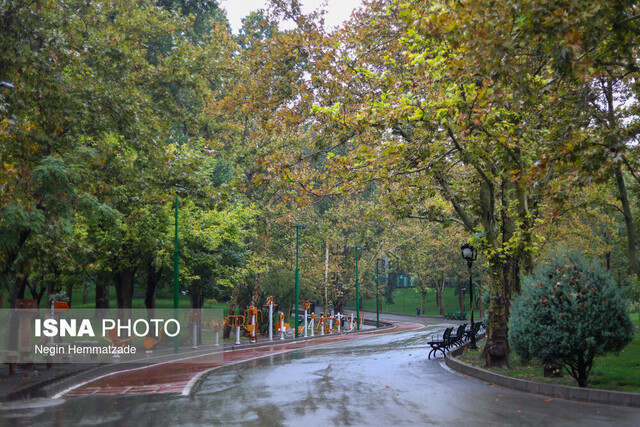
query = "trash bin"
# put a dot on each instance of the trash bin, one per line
(418, 311)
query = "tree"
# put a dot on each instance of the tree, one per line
(570, 311)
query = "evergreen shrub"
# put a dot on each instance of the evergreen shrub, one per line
(569, 311)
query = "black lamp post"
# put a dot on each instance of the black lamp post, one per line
(378, 292)
(470, 255)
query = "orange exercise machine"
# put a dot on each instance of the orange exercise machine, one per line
(235, 321)
(281, 326)
(251, 315)
(271, 304)
(216, 324)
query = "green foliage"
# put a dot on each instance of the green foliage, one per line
(569, 311)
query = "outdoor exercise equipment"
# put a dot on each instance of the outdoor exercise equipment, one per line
(251, 315)
(281, 326)
(307, 306)
(339, 318)
(150, 342)
(116, 341)
(271, 304)
(313, 323)
(216, 324)
(235, 321)
(195, 319)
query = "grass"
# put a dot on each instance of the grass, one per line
(137, 302)
(619, 372)
(406, 300)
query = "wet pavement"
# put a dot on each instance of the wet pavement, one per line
(380, 380)
(179, 377)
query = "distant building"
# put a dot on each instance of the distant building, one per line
(400, 280)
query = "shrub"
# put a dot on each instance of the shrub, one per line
(570, 312)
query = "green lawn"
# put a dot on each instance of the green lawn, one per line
(406, 300)
(138, 302)
(619, 372)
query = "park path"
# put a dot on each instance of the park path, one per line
(179, 377)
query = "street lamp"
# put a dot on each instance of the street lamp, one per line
(470, 255)
(176, 274)
(378, 292)
(298, 227)
(357, 285)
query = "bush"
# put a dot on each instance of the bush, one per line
(570, 312)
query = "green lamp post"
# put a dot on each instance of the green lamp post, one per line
(357, 285)
(176, 276)
(378, 293)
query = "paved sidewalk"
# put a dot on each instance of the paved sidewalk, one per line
(181, 377)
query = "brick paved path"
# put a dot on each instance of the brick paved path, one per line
(179, 377)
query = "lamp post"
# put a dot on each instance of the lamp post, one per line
(378, 293)
(470, 255)
(298, 227)
(357, 286)
(176, 276)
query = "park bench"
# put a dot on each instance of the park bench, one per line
(441, 344)
(457, 315)
(458, 338)
(473, 330)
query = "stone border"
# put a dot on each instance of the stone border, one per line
(591, 395)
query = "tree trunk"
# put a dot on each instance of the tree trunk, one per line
(423, 294)
(496, 351)
(35, 293)
(460, 297)
(153, 278)
(196, 298)
(102, 295)
(256, 290)
(124, 280)
(326, 279)
(69, 292)
(632, 254)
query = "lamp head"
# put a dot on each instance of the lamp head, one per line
(468, 253)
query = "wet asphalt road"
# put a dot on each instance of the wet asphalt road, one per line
(377, 381)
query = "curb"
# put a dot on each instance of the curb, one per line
(416, 316)
(591, 395)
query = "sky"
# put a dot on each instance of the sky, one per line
(338, 10)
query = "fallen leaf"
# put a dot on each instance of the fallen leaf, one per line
(519, 411)
(549, 400)
(497, 400)
(490, 383)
